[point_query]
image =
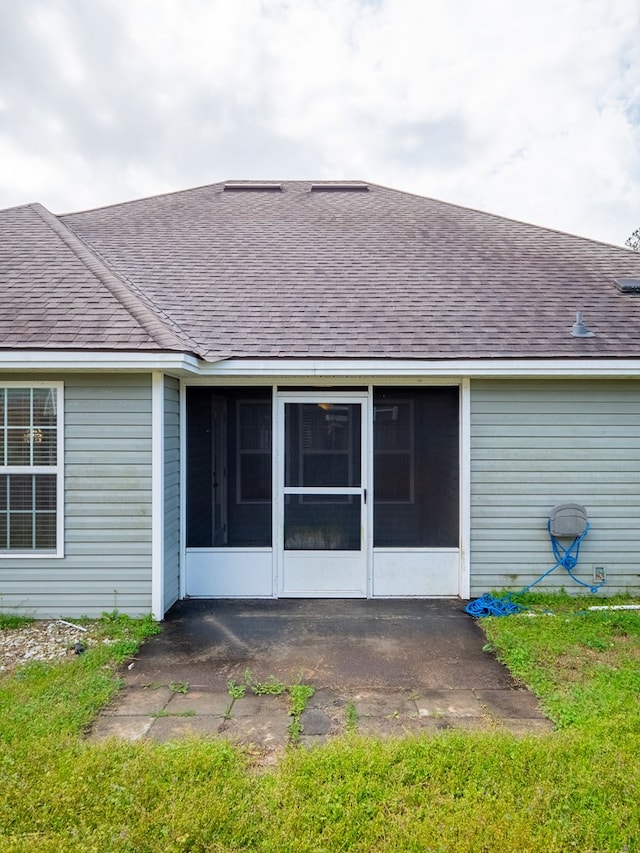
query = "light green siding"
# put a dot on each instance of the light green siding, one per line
(171, 561)
(107, 507)
(538, 443)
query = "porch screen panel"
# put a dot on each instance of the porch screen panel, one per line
(229, 481)
(416, 467)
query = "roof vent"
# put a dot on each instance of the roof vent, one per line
(339, 188)
(579, 329)
(627, 285)
(248, 187)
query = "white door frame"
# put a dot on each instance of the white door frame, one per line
(354, 565)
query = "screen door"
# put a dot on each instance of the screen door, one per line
(323, 495)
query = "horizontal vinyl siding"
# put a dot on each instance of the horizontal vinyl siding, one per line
(171, 492)
(107, 549)
(535, 444)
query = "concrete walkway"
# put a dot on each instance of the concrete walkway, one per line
(384, 668)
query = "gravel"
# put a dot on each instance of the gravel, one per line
(42, 641)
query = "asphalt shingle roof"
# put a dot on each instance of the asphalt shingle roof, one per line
(359, 272)
(56, 294)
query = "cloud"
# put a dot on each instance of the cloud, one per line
(528, 110)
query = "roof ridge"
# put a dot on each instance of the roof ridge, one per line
(158, 327)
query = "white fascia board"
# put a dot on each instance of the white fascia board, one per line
(474, 368)
(40, 360)
(181, 364)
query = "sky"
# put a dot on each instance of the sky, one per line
(529, 110)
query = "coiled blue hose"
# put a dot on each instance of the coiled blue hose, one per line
(490, 605)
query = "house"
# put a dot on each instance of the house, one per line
(308, 389)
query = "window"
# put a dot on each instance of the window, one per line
(30, 469)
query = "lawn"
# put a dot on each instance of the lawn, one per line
(575, 789)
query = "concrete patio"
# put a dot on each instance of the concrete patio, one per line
(380, 667)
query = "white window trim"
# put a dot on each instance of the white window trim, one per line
(58, 469)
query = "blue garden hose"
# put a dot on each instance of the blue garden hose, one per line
(490, 605)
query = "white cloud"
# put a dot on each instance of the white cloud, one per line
(51, 28)
(528, 110)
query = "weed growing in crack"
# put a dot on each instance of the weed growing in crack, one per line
(272, 686)
(299, 695)
(351, 716)
(235, 691)
(156, 714)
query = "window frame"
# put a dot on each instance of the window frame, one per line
(30, 470)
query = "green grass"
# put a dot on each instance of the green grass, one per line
(10, 620)
(575, 789)
(583, 665)
(58, 700)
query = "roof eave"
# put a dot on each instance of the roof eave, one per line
(48, 361)
(321, 369)
(314, 369)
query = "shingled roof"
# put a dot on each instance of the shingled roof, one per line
(56, 294)
(330, 270)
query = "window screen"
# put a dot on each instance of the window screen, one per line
(229, 467)
(416, 467)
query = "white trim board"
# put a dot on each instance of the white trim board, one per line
(157, 496)
(315, 370)
(439, 370)
(42, 360)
